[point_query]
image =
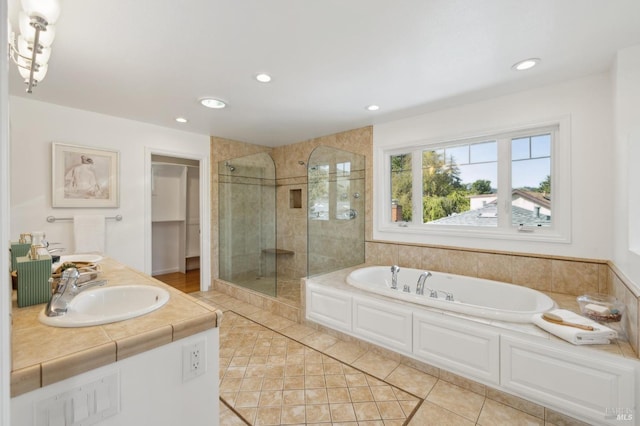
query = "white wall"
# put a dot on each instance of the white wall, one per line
(152, 391)
(627, 162)
(35, 125)
(5, 288)
(588, 102)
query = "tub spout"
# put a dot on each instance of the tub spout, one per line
(420, 286)
(394, 276)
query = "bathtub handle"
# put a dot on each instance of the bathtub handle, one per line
(447, 295)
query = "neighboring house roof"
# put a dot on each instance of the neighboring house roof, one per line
(488, 216)
(539, 198)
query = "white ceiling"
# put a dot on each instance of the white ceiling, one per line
(151, 60)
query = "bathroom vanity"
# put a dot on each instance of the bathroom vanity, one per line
(160, 368)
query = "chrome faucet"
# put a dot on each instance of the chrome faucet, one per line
(394, 276)
(69, 285)
(447, 295)
(421, 279)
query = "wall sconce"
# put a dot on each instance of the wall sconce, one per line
(31, 49)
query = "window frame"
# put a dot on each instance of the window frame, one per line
(558, 232)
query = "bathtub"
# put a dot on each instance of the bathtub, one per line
(473, 296)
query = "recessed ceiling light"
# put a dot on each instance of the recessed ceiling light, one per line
(526, 64)
(263, 78)
(181, 120)
(213, 103)
(373, 107)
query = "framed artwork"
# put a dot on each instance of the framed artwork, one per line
(84, 177)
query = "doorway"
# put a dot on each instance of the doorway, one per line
(178, 220)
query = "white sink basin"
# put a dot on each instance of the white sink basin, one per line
(103, 305)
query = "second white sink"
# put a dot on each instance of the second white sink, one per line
(103, 305)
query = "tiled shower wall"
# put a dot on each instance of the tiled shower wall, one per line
(290, 175)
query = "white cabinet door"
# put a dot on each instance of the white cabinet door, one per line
(328, 307)
(457, 345)
(382, 323)
(582, 386)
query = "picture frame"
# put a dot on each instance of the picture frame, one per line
(84, 177)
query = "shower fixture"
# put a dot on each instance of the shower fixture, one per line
(229, 166)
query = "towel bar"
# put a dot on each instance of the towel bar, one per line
(52, 219)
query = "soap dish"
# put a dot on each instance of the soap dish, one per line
(601, 307)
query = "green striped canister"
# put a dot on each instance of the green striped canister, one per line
(33, 280)
(18, 250)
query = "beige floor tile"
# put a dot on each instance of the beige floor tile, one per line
(366, 411)
(318, 413)
(316, 396)
(268, 416)
(247, 399)
(319, 340)
(270, 378)
(346, 351)
(460, 401)
(412, 380)
(297, 331)
(342, 413)
(496, 414)
(555, 418)
(248, 413)
(338, 395)
(375, 364)
(293, 397)
(390, 410)
(229, 418)
(291, 415)
(432, 415)
(360, 394)
(270, 398)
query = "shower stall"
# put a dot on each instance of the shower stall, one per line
(336, 210)
(332, 235)
(247, 222)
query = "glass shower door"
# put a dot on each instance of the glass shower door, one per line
(247, 222)
(336, 219)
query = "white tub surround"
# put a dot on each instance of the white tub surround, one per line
(472, 296)
(518, 358)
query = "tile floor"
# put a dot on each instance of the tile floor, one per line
(274, 371)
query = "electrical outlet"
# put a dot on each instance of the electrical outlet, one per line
(194, 362)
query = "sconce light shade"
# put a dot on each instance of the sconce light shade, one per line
(26, 49)
(49, 10)
(38, 74)
(32, 48)
(29, 32)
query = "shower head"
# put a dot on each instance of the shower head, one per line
(229, 166)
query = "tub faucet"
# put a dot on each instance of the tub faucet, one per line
(394, 276)
(447, 295)
(421, 279)
(69, 285)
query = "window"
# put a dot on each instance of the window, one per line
(497, 184)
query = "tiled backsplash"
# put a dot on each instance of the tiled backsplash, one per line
(555, 274)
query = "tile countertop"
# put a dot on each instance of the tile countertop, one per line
(42, 355)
